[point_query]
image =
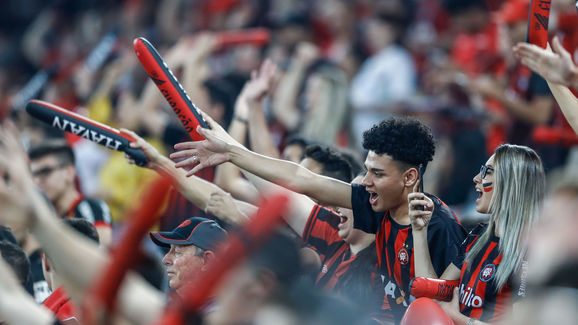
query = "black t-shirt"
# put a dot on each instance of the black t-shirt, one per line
(394, 244)
(479, 297)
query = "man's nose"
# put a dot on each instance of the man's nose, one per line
(167, 260)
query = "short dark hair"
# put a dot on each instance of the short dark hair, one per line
(333, 162)
(352, 157)
(297, 141)
(17, 259)
(7, 235)
(406, 140)
(83, 227)
(57, 148)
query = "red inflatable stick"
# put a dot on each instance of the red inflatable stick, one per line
(256, 36)
(433, 288)
(84, 127)
(231, 253)
(170, 87)
(125, 254)
(538, 22)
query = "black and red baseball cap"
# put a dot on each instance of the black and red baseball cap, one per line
(201, 232)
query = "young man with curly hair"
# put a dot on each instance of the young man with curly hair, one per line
(397, 147)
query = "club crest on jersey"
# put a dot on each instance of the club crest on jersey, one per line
(488, 273)
(403, 256)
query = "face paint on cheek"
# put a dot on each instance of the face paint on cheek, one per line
(488, 187)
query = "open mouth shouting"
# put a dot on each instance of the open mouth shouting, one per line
(480, 193)
(373, 197)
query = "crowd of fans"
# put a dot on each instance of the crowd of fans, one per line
(341, 111)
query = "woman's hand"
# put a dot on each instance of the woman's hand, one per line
(210, 152)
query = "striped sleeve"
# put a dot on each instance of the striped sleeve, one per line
(321, 230)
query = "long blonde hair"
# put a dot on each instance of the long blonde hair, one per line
(519, 187)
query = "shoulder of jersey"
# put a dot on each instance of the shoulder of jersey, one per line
(442, 212)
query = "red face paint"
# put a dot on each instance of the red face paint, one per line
(488, 187)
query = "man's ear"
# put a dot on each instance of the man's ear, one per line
(207, 257)
(410, 177)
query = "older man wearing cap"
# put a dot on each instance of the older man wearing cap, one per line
(192, 245)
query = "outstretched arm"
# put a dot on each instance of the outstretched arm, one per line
(256, 90)
(568, 103)
(195, 189)
(219, 147)
(285, 101)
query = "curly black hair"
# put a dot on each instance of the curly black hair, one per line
(334, 164)
(406, 140)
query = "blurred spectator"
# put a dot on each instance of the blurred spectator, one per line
(192, 245)
(52, 164)
(387, 77)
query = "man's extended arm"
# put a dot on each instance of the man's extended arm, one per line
(195, 189)
(220, 147)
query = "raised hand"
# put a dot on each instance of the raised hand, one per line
(556, 67)
(261, 82)
(419, 218)
(210, 152)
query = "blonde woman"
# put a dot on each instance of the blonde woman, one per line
(491, 266)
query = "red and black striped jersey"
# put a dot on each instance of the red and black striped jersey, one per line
(339, 265)
(479, 297)
(93, 210)
(394, 243)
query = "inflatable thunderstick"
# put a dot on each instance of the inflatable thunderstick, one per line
(84, 127)
(170, 87)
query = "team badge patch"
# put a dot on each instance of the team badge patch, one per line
(488, 273)
(403, 256)
(185, 223)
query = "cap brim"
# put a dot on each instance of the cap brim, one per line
(167, 238)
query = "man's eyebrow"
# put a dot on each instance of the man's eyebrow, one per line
(375, 169)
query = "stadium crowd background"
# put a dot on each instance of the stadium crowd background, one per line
(342, 66)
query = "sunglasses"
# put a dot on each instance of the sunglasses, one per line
(484, 170)
(44, 172)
